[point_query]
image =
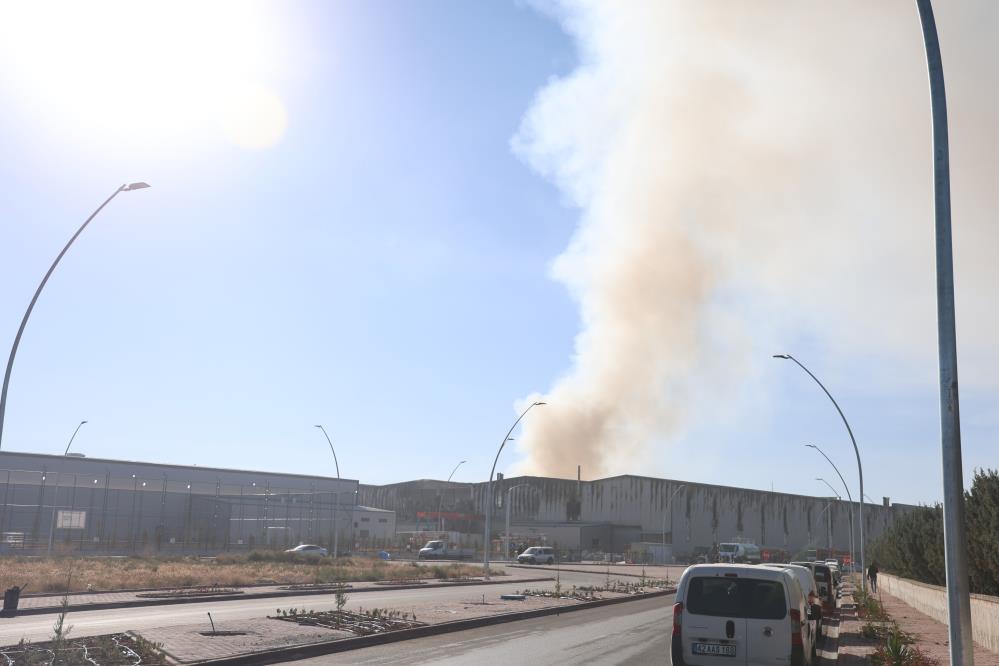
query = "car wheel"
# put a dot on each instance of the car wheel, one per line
(551, 560)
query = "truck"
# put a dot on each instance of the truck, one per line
(737, 552)
(443, 550)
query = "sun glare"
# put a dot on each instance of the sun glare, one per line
(160, 69)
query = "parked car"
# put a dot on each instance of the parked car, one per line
(807, 581)
(735, 613)
(537, 555)
(837, 574)
(739, 553)
(442, 550)
(827, 587)
(308, 550)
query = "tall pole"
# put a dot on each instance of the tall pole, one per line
(829, 523)
(955, 548)
(336, 497)
(489, 489)
(335, 461)
(38, 291)
(73, 437)
(506, 537)
(669, 512)
(853, 562)
(860, 467)
(440, 504)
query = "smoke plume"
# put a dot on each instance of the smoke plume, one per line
(744, 171)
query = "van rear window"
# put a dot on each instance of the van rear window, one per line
(742, 597)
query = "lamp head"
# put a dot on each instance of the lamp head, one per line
(783, 356)
(134, 186)
(540, 403)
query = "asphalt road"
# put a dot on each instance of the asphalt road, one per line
(630, 633)
(90, 623)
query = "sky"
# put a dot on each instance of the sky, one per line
(405, 221)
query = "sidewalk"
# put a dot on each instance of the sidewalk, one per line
(931, 637)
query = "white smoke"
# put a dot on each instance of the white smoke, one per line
(766, 161)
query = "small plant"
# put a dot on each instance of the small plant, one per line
(59, 630)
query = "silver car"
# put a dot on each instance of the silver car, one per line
(307, 550)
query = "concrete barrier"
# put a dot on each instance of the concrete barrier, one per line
(932, 600)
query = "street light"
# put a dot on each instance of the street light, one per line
(838, 496)
(955, 543)
(506, 539)
(440, 504)
(73, 437)
(669, 511)
(849, 496)
(34, 299)
(860, 468)
(336, 497)
(335, 461)
(489, 493)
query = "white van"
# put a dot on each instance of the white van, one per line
(737, 614)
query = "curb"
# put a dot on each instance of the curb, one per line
(347, 644)
(138, 603)
(593, 571)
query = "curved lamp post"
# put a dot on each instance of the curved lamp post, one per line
(335, 461)
(38, 291)
(955, 543)
(440, 519)
(860, 468)
(509, 492)
(848, 495)
(66, 453)
(836, 494)
(336, 497)
(669, 512)
(489, 491)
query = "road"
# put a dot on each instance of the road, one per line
(90, 623)
(630, 633)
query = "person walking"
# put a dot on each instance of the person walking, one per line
(872, 575)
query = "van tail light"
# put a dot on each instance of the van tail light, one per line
(677, 615)
(795, 627)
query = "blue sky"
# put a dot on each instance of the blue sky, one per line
(385, 268)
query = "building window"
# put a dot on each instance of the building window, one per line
(364, 534)
(71, 520)
(383, 520)
(365, 520)
(596, 542)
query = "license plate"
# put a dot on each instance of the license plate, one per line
(713, 649)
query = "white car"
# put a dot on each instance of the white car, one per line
(728, 614)
(308, 551)
(537, 555)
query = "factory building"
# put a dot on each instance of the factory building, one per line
(625, 513)
(52, 502)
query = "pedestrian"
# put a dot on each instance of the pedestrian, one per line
(872, 575)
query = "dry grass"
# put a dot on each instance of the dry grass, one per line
(77, 574)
